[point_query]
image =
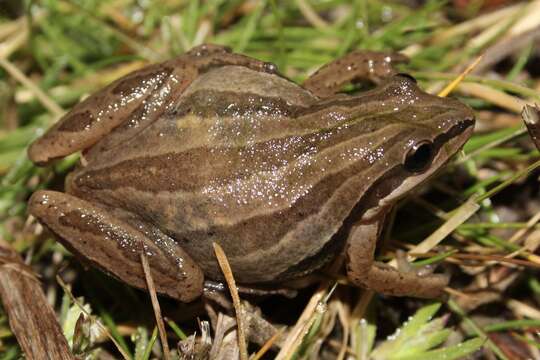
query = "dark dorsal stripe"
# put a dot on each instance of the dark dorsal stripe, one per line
(210, 103)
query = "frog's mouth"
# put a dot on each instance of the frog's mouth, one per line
(398, 181)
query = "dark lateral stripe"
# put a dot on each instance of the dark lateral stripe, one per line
(193, 169)
(271, 228)
(327, 252)
(285, 218)
(277, 222)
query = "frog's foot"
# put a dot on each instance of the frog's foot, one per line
(114, 245)
(356, 66)
(382, 278)
(397, 282)
(404, 265)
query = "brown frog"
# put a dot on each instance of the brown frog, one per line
(215, 146)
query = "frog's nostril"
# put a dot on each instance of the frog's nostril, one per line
(464, 125)
(469, 121)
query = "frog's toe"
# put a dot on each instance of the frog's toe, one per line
(403, 264)
(422, 272)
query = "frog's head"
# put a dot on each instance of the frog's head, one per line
(416, 134)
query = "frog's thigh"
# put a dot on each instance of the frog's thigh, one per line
(358, 65)
(96, 116)
(114, 246)
(363, 271)
(141, 96)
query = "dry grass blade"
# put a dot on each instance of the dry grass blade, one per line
(45, 100)
(450, 87)
(13, 43)
(310, 15)
(31, 318)
(202, 33)
(523, 309)
(521, 232)
(267, 345)
(9, 28)
(303, 332)
(487, 258)
(461, 215)
(508, 46)
(361, 306)
(316, 305)
(491, 33)
(531, 118)
(302, 320)
(227, 273)
(494, 96)
(155, 304)
(477, 23)
(343, 316)
(529, 21)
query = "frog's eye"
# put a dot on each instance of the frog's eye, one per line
(419, 157)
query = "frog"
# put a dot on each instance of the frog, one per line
(219, 147)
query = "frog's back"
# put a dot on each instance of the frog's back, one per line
(237, 160)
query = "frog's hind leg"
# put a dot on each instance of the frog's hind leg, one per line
(114, 245)
(96, 116)
(132, 102)
(363, 271)
(356, 66)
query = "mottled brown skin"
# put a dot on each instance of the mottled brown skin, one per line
(218, 147)
(355, 66)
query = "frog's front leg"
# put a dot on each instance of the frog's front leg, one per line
(356, 66)
(363, 271)
(114, 245)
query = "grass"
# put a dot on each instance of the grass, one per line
(53, 52)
